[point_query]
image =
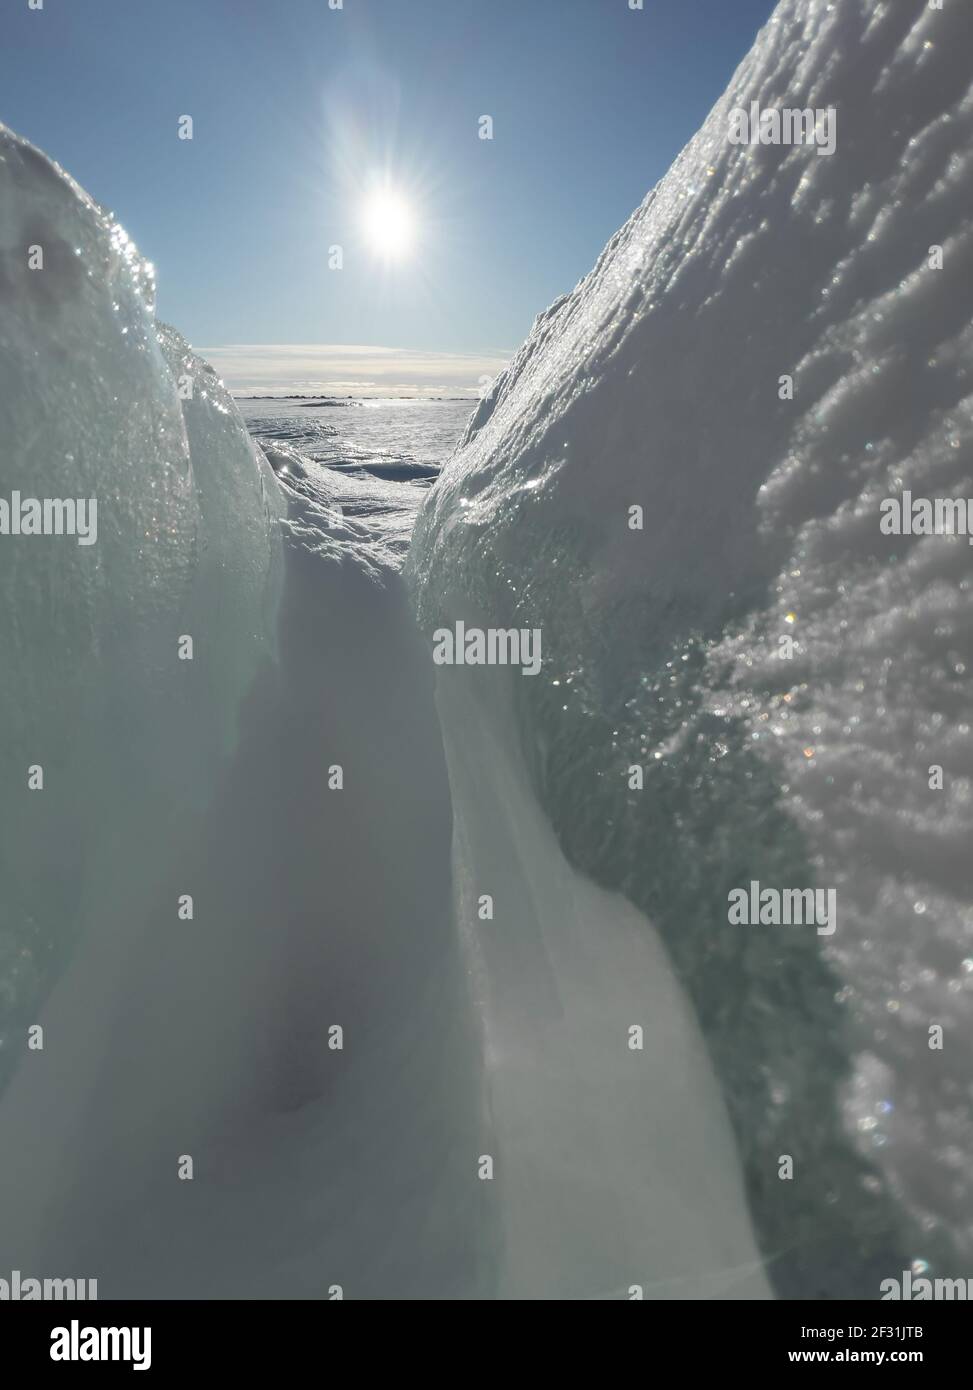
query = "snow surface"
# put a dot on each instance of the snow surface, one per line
(614, 1168)
(656, 383)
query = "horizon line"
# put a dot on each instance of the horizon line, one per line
(351, 369)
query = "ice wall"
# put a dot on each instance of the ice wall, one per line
(98, 401)
(658, 383)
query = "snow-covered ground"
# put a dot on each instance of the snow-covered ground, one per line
(656, 384)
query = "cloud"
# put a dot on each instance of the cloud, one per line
(270, 369)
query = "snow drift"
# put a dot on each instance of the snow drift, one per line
(659, 384)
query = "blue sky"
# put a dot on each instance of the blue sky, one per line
(296, 107)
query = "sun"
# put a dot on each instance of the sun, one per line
(389, 224)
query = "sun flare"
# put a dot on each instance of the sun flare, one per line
(389, 224)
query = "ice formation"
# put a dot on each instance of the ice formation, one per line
(352, 901)
(92, 690)
(659, 383)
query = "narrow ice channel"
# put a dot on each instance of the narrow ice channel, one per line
(291, 1089)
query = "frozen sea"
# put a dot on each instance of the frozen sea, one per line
(402, 440)
(356, 471)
